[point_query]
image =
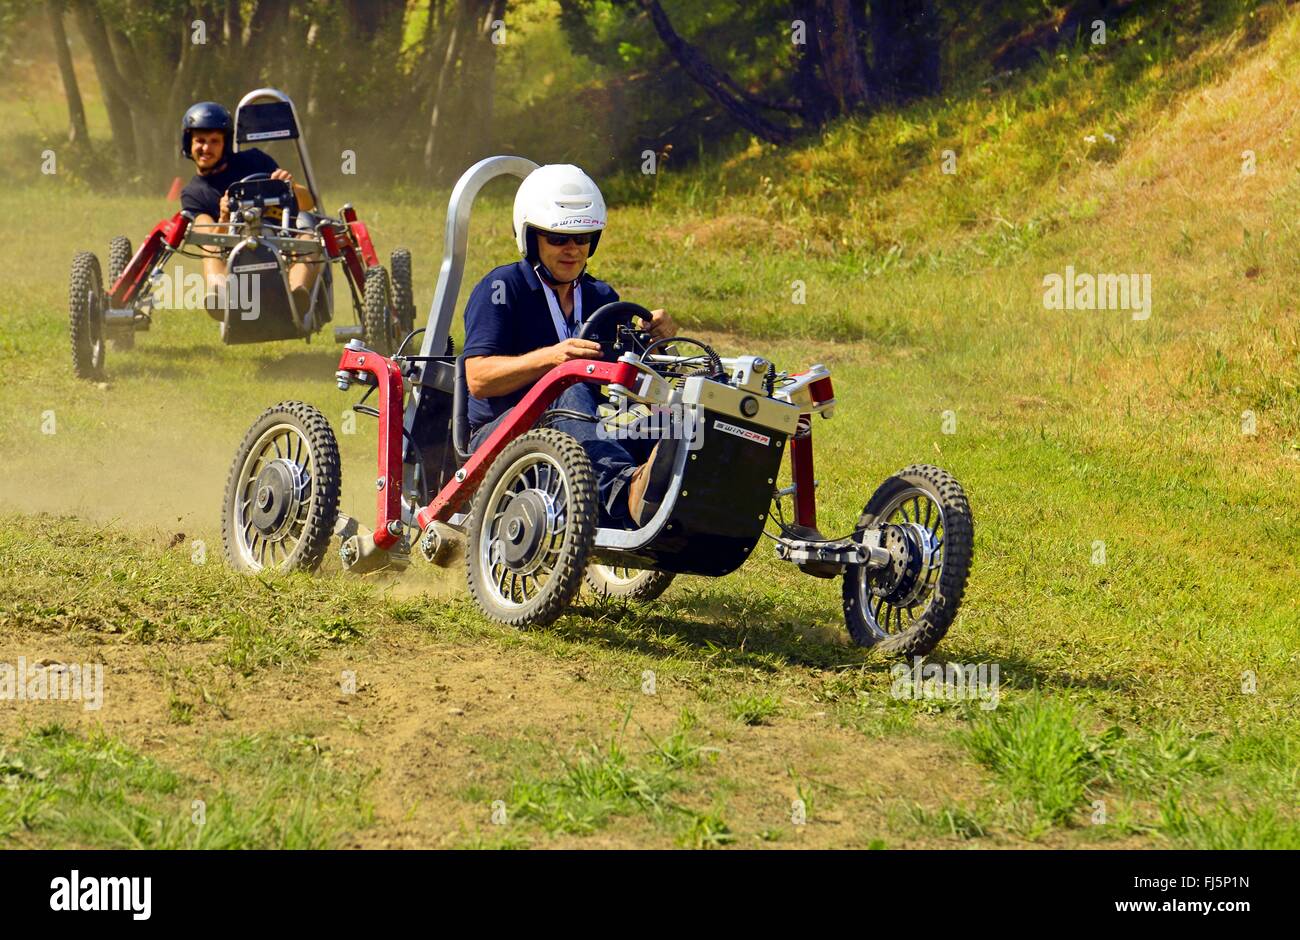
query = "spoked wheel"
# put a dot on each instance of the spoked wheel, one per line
(86, 316)
(119, 256)
(379, 312)
(531, 529)
(403, 292)
(925, 524)
(282, 497)
(634, 584)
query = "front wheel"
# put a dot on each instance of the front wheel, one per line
(379, 320)
(282, 497)
(403, 291)
(925, 524)
(119, 256)
(531, 529)
(627, 583)
(86, 316)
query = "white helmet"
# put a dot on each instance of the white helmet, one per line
(558, 197)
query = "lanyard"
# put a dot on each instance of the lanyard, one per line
(563, 329)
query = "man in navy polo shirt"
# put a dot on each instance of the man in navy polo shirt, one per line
(522, 320)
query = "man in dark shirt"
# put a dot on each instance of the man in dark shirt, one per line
(206, 132)
(202, 195)
(522, 319)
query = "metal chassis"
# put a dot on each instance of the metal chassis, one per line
(811, 393)
(347, 241)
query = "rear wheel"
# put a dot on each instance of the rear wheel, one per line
(119, 256)
(531, 529)
(403, 292)
(379, 312)
(925, 523)
(86, 316)
(282, 497)
(634, 584)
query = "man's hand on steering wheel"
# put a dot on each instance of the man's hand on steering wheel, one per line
(661, 325)
(572, 348)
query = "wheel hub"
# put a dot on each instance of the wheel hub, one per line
(525, 524)
(276, 496)
(904, 581)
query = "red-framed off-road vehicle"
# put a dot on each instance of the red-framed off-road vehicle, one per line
(521, 509)
(265, 235)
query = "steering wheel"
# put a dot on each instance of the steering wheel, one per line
(608, 322)
(288, 201)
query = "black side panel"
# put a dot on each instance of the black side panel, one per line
(257, 312)
(430, 433)
(724, 501)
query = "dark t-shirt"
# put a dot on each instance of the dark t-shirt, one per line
(202, 194)
(507, 315)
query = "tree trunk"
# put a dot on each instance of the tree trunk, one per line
(839, 37)
(110, 82)
(460, 106)
(717, 84)
(77, 133)
(451, 51)
(816, 103)
(232, 25)
(906, 48)
(146, 107)
(478, 85)
(264, 28)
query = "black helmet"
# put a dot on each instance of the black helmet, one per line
(205, 116)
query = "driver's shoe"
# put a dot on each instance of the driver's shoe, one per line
(636, 487)
(301, 303)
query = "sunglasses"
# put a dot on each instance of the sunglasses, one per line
(558, 241)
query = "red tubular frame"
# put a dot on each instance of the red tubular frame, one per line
(801, 472)
(336, 248)
(389, 379)
(522, 417)
(361, 237)
(170, 232)
(801, 459)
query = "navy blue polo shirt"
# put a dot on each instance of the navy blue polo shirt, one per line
(507, 315)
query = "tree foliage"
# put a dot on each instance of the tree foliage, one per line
(421, 88)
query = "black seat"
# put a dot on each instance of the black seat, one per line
(460, 433)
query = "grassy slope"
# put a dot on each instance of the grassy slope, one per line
(923, 296)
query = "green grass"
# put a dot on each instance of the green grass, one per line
(1225, 826)
(62, 789)
(601, 782)
(755, 709)
(1039, 755)
(93, 585)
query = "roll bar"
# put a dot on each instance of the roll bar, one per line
(456, 241)
(274, 94)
